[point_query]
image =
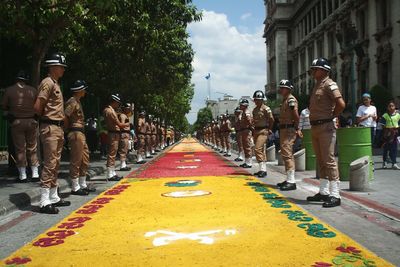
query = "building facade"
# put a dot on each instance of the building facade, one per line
(226, 105)
(360, 38)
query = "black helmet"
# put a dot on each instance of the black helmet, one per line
(259, 95)
(116, 97)
(126, 105)
(142, 113)
(23, 76)
(79, 85)
(56, 59)
(238, 110)
(286, 84)
(321, 63)
(244, 102)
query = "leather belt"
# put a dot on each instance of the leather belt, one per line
(125, 131)
(76, 129)
(114, 131)
(261, 128)
(52, 122)
(286, 126)
(319, 122)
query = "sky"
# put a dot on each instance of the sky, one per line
(228, 44)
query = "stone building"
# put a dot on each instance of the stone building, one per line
(361, 39)
(226, 105)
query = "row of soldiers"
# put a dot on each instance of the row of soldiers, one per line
(253, 129)
(42, 113)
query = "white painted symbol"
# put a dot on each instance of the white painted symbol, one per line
(186, 193)
(187, 181)
(187, 167)
(206, 237)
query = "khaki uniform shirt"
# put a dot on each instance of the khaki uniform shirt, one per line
(153, 129)
(124, 119)
(323, 100)
(74, 112)
(111, 119)
(246, 120)
(50, 92)
(237, 123)
(261, 116)
(288, 105)
(226, 126)
(148, 128)
(142, 126)
(19, 100)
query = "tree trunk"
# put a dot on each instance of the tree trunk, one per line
(37, 57)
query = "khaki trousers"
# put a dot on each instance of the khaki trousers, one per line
(148, 142)
(260, 139)
(153, 142)
(123, 146)
(246, 142)
(226, 140)
(287, 139)
(24, 134)
(324, 140)
(79, 155)
(142, 144)
(113, 142)
(239, 142)
(52, 139)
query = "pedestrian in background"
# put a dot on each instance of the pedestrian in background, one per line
(91, 133)
(390, 121)
(367, 115)
(18, 101)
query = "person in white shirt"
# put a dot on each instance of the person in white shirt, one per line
(367, 115)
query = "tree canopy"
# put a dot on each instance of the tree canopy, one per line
(136, 47)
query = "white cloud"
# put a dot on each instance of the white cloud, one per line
(236, 60)
(245, 16)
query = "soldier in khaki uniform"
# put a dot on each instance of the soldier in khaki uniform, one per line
(238, 130)
(153, 136)
(79, 153)
(326, 103)
(125, 136)
(18, 101)
(289, 129)
(148, 137)
(226, 135)
(263, 120)
(114, 126)
(246, 124)
(141, 132)
(49, 106)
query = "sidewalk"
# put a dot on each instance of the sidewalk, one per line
(15, 195)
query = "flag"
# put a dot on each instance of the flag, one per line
(208, 76)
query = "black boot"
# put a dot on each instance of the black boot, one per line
(115, 178)
(281, 184)
(246, 166)
(256, 173)
(331, 202)
(80, 192)
(89, 189)
(288, 187)
(49, 209)
(318, 198)
(262, 174)
(125, 169)
(62, 203)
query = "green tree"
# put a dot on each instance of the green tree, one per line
(204, 116)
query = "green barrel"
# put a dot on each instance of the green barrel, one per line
(353, 143)
(310, 155)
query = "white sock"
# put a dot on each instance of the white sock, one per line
(229, 152)
(139, 158)
(290, 177)
(324, 187)
(22, 173)
(35, 171)
(75, 185)
(54, 198)
(44, 197)
(82, 182)
(240, 156)
(109, 172)
(335, 188)
(123, 164)
(114, 172)
(249, 161)
(263, 166)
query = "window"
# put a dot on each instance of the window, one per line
(289, 37)
(323, 9)
(362, 24)
(384, 74)
(319, 17)
(314, 16)
(362, 81)
(320, 47)
(290, 69)
(303, 66)
(295, 66)
(383, 13)
(310, 51)
(336, 4)
(330, 3)
(331, 44)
